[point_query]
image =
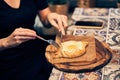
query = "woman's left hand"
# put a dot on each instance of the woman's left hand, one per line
(58, 21)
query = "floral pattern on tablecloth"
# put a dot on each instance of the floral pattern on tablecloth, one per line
(110, 33)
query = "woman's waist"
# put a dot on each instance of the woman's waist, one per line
(10, 62)
(21, 53)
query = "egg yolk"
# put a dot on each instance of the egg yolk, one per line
(72, 47)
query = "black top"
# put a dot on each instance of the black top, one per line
(25, 62)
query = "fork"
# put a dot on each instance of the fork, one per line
(50, 41)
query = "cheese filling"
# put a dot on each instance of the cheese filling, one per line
(71, 46)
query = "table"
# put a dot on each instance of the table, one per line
(110, 33)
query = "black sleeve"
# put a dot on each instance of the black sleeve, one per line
(41, 4)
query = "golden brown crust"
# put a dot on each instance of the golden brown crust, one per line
(89, 55)
(95, 55)
(60, 53)
(82, 66)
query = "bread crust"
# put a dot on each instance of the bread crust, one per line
(97, 54)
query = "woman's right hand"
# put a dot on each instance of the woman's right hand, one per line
(18, 36)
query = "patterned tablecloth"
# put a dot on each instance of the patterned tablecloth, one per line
(110, 33)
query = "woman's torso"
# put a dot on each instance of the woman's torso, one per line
(27, 57)
(11, 18)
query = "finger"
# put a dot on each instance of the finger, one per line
(60, 25)
(21, 41)
(25, 32)
(65, 24)
(29, 31)
(24, 37)
(64, 20)
(54, 23)
(62, 30)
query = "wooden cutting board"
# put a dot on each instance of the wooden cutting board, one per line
(97, 55)
(89, 56)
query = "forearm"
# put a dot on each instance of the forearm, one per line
(2, 44)
(43, 16)
(53, 19)
(46, 23)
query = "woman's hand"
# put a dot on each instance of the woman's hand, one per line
(18, 36)
(58, 21)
